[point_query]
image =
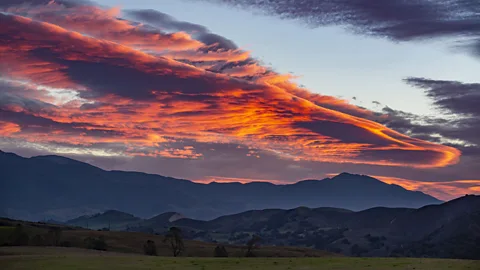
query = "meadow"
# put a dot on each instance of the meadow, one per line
(56, 258)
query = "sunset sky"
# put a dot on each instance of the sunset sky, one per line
(224, 90)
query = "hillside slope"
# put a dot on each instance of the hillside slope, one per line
(449, 230)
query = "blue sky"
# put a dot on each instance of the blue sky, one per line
(329, 60)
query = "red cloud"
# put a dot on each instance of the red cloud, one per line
(8, 129)
(138, 99)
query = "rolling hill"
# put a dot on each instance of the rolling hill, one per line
(449, 230)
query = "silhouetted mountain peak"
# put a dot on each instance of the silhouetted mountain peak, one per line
(344, 176)
(116, 213)
(59, 159)
(8, 154)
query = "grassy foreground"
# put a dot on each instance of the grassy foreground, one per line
(20, 258)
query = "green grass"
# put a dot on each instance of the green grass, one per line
(5, 232)
(71, 258)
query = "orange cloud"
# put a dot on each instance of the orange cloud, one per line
(104, 24)
(8, 129)
(441, 190)
(124, 95)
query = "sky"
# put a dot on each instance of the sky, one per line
(223, 90)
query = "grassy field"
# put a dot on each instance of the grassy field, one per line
(132, 242)
(54, 258)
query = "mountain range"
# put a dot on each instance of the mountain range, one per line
(448, 230)
(60, 188)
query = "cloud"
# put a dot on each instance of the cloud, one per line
(165, 21)
(144, 103)
(396, 20)
(30, 3)
(103, 23)
(452, 97)
(442, 190)
(459, 125)
(7, 128)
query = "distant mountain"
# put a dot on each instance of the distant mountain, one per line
(111, 219)
(55, 187)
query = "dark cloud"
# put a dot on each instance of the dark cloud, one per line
(167, 22)
(399, 20)
(36, 124)
(217, 41)
(459, 124)
(450, 96)
(341, 131)
(15, 96)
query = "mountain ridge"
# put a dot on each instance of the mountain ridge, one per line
(54, 186)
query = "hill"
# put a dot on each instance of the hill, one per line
(111, 219)
(59, 188)
(449, 230)
(130, 242)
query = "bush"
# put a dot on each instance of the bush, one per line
(357, 250)
(149, 248)
(65, 244)
(220, 251)
(96, 243)
(18, 237)
(250, 254)
(54, 235)
(38, 240)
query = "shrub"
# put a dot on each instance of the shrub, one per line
(65, 244)
(18, 237)
(38, 240)
(96, 243)
(250, 254)
(149, 248)
(54, 235)
(357, 250)
(220, 251)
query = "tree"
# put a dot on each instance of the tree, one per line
(175, 240)
(252, 244)
(149, 248)
(96, 243)
(54, 235)
(38, 240)
(357, 250)
(220, 251)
